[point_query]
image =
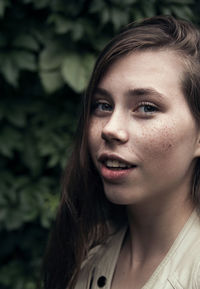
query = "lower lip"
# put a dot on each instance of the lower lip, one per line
(115, 175)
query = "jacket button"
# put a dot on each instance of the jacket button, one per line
(101, 282)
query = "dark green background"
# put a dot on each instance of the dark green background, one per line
(47, 50)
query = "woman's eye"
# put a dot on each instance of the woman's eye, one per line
(147, 108)
(102, 106)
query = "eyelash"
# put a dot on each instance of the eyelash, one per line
(96, 105)
(108, 107)
(148, 104)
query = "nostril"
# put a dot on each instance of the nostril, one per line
(109, 135)
(118, 136)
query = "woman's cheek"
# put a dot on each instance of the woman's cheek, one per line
(157, 141)
(94, 135)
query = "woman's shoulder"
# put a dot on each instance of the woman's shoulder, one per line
(103, 250)
(188, 272)
(196, 275)
(186, 264)
(100, 257)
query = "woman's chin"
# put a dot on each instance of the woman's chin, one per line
(119, 197)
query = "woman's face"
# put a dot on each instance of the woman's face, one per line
(143, 138)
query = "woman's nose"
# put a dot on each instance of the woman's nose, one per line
(115, 130)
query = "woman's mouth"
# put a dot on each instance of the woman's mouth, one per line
(115, 170)
(116, 165)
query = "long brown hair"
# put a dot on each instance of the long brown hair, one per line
(84, 212)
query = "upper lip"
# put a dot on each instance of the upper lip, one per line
(105, 156)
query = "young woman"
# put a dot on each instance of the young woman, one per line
(128, 216)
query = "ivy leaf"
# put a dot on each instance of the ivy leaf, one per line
(14, 220)
(76, 70)
(24, 60)
(181, 2)
(51, 80)
(39, 4)
(136, 14)
(88, 63)
(16, 115)
(119, 18)
(3, 5)
(149, 9)
(9, 69)
(26, 42)
(3, 40)
(51, 57)
(78, 30)
(10, 139)
(105, 16)
(69, 7)
(165, 10)
(184, 13)
(73, 72)
(101, 42)
(125, 2)
(97, 6)
(10, 272)
(62, 24)
(28, 204)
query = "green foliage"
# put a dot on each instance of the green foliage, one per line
(47, 51)
(76, 70)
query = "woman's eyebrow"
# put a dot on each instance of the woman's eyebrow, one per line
(102, 92)
(139, 92)
(135, 92)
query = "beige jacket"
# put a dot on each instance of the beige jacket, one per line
(180, 269)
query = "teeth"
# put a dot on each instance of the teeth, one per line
(116, 164)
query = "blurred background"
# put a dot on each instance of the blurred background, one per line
(47, 51)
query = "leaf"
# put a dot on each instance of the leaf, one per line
(62, 24)
(26, 42)
(3, 214)
(3, 40)
(51, 81)
(105, 16)
(24, 60)
(73, 72)
(3, 5)
(9, 69)
(51, 57)
(30, 156)
(184, 13)
(39, 4)
(118, 17)
(10, 139)
(13, 61)
(9, 272)
(181, 2)
(136, 14)
(88, 63)
(125, 2)
(28, 205)
(14, 220)
(101, 42)
(76, 70)
(16, 115)
(149, 9)
(54, 160)
(78, 30)
(165, 10)
(69, 7)
(96, 6)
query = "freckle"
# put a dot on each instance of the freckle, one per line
(167, 146)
